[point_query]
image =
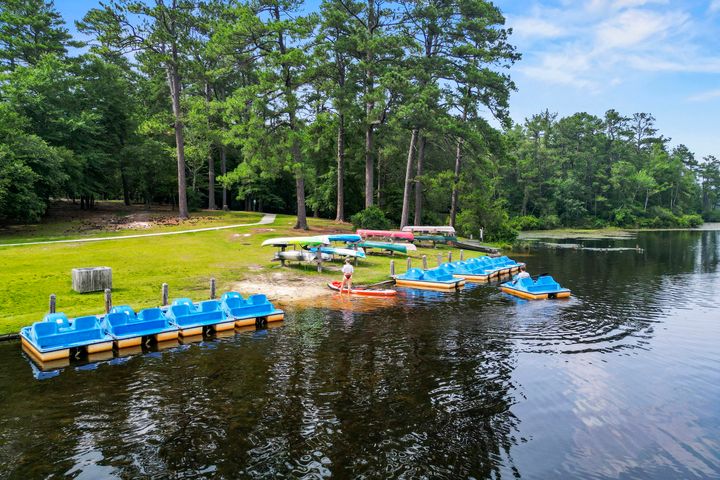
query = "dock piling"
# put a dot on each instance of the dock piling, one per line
(108, 300)
(212, 288)
(392, 268)
(409, 263)
(439, 259)
(450, 257)
(424, 258)
(462, 255)
(52, 303)
(165, 294)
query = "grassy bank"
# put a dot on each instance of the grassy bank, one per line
(140, 265)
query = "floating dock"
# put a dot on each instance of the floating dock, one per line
(52, 342)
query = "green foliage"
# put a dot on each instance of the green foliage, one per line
(525, 222)
(372, 217)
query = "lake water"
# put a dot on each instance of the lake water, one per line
(621, 381)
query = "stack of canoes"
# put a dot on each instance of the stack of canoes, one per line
(58, 337)
(391, 243)
(309, 247)
(435, 234)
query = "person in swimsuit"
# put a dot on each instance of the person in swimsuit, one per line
(521, 274)
(347, 271)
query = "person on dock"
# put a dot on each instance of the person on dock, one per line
(521, 274)
(347, 271)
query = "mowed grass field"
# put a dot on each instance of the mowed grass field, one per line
(186, 262)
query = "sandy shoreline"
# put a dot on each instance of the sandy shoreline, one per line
(293, 292)
(283, 287)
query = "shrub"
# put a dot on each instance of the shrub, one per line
(690, 221)
(624, 217)
(712, 216)
(525, 222)
(371, 218)
(549, 222)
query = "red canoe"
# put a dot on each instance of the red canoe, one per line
(363, 291)
(386, 234)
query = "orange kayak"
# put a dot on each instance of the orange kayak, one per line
(363, 291)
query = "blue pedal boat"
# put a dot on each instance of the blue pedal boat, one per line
(469, 271)
(193, 319)
(56, 337)
(248, 311)
(433, 279)
(486, 264)
(509, 262)
(130, 330)
(543, 288)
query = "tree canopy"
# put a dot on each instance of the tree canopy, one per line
(397, 105)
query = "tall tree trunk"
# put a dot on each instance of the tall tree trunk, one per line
(369, 166)
(456, 182)
(340, 211)
(369, 107)
(174, 81)
(211, 182)
(408, 174)
(300, 194)
(223, 171)
(456, 179)
(211, 159)
(124, 181)
(418, 181)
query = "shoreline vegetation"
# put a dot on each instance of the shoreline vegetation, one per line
(327, 110)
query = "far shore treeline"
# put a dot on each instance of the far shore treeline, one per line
(381, 112)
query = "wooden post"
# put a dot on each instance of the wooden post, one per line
(462, 255)
(212, 288)
(392, 268)
(409, 263)
(319, 260)
(450, 257)
(108, 300)
(282, 260)
(52, 303)
(165, 294)
(424, 257)
(439, 259)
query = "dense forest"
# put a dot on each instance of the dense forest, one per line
(378, 111)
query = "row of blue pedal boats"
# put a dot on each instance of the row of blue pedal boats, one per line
(453, 275)
(57, 337)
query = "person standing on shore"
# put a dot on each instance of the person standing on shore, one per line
(347, 271)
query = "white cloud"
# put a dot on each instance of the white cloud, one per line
(632, 27)
(704, 96)
(636, 3)
(599, 43)
(533, 27)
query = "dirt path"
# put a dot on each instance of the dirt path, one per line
(267, 219)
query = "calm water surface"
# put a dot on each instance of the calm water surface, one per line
(621, 381)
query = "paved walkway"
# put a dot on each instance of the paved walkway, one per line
(267, 219)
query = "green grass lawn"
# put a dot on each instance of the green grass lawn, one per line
(71, 229)
(29, 274)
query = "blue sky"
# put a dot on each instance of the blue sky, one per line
(661, 57)
(655, 56)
